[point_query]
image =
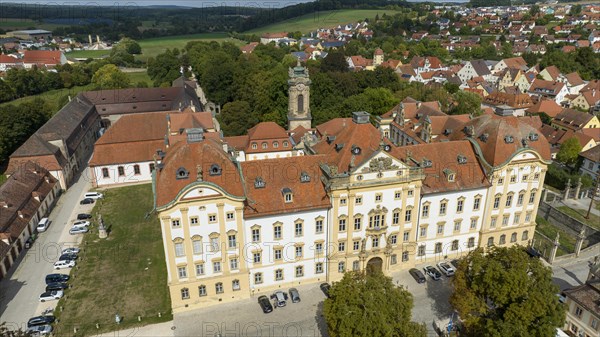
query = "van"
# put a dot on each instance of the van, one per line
(93, 195)
(43, 225)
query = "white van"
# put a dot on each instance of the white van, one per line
(93, 195)
(43, 225)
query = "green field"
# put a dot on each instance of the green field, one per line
(140, 77)
(325, 19)
(52, 96)
(153, 47)
(124, 274)
(19, 24)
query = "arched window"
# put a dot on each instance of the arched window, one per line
(264, 145)
(513, 237)
(525, 235)
(490, 241)
(136, 169)
(300, 103)
(502, 239)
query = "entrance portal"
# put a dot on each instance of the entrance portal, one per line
(374, 265)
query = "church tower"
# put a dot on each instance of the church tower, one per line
(298, 92)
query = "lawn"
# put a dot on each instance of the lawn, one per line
(567, 242)
(324, 19)
(142, 76)
(579, 214)
(52, 96)
(153, 47)
(124, 274)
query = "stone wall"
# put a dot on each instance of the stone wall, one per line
(568, 224)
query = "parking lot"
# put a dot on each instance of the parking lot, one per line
(19, 291)
(246, 319)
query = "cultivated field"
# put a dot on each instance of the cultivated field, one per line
(153, 47)
(309, 22)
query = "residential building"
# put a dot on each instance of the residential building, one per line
(555, 91)
(570, 119)
(273, 37)
(474, 68)
(590, 162)
(583, 316)
(43, 58)
(505, 104)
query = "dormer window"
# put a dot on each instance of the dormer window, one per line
(254, 146)
(264, 145)
(330, 139)
(285, 143)
(287, 194)
(533, 136)
(338, 147)
(304, 177)
(182, 173)
(275, 144)
(450, 175)
(508, 139)
(484, 137)
(462, 159)
(215, 170)
(426, 163)
(259, 183)
(356, 150)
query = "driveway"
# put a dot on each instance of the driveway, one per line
(20, 289)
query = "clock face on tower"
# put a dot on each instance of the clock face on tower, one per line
(300, 86)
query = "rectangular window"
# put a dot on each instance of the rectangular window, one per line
(594, 324)
(520, 199)
(278, 254)
(343, 201)
(500, 181)
(231, 240)
(298, 231)
(459, 206)
(200, 269)
(341, 246)
(357, 223)
(341, 267)
(256, 257)
(319, 226)
(230, 216)
(202, 290)
(457, 226)
(182, 272)
(136, 169)
(197, 246)
(342, 225)
(278, 275)
(288, 197)
(375, 242)
(410, 193)
(496, 202)
(194, 220)
(438, 248)
(473, 223)
(299, 271)
(423, 231)
(212, 218)
(508, 200)
(532, 198)
(493, 222)
(476, 204)
(121, 171)
(256, 235)
(377, 197)
(454, 245)
(440, 229)
(358, 200)
(525, 177)
(421, 250)
(471, 243)
(319, 268)
(179, 249)
(505, 220)
(396, 218)
(235, 285)
(185, 293)
(233, 264)
(151, 166)
(319, 248)
(175, 223)
(443, 208)
(217, 267)
(393, 259)
(425, 212)
(214, 244)
(298, 251)
(517, 219)
(406, 236)
(105, 173)
(404, 256)
(277, 232)
(219, 288)
(528, 217)
(513, 179)
(355, 265)
(397, 195)
(408, 215)
(578, 312)
(356, 245)
(258, 279)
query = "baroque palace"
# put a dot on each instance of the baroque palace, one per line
(274, 208)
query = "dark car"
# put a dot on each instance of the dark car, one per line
(265, 304)
(56, 286)
(417, 275)
(84, 216)
(294, 295)
(51, 278)
(40, 320)
(68, 256)
(86, 201)
(432, 272)
(325, 287)
(30, 241)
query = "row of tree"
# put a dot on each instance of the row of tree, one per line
(501, 292)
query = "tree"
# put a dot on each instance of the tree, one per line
(370, 305)
(236, 117)
(466, 103)
(504, 292)
(110, 77)
(334, 61)
(569, 151)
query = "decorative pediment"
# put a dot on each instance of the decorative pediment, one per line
(381, 162)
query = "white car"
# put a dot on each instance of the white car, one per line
(51, 295)
(62, 264)
(446, 268)
(94, 195)
(40, 330)
(81, 223)
(78, 230)
(70, 250)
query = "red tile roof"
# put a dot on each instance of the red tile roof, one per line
(550, 107)
(46, 57)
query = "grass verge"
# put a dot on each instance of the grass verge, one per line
(579, 214)
(52, 96)
(567, 242)
(124, 274)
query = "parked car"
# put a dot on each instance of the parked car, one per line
(30, 241)
(325, 287)
(39, 330)
(280, 298)
(57, 286)
(265, 304)
(40, 320)
(294, 295)
(432, 272)
(50, 278)
(86, 201)
(446, 268)
(94, 195)
(43, 225)
(78, 230)
(68, 256)
(61, 264)
(455, 263)
(417, 275)
(51, 295)
(70, 250)
(83, 216)
(81, 223)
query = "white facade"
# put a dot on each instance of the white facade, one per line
(130, 173)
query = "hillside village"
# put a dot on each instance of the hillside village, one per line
(303, 205)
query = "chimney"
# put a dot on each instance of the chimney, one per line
(20, 214)
(361, 117)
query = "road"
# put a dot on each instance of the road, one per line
(20, 289)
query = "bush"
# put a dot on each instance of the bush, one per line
(558, 178)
